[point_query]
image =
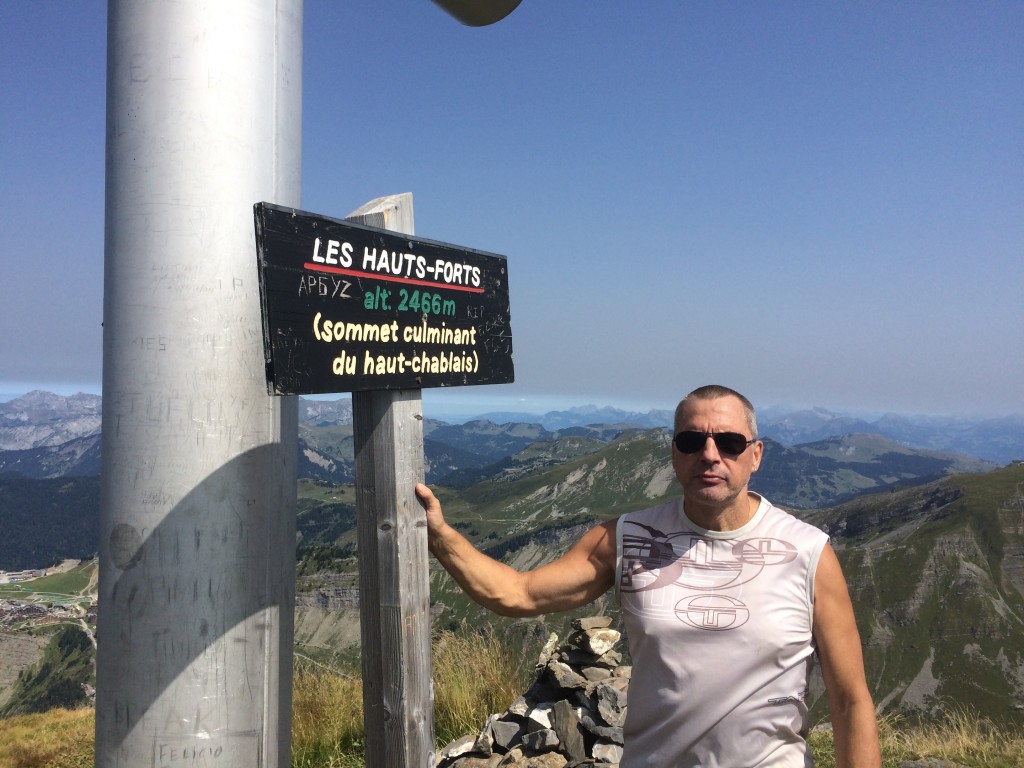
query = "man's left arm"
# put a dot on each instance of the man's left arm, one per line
(854, 725)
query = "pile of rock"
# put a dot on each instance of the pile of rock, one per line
(571, 716)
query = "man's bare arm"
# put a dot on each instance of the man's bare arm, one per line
(581, 575)
(854, 725)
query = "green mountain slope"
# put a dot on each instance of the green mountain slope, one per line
(47, 520)
(936, 578)
(830, 471)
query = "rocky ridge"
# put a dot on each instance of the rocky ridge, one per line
(571, 716)
(44, 420)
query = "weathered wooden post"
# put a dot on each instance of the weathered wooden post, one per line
(394, 583)
(382, 314)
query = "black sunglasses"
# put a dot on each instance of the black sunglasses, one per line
(732, 443)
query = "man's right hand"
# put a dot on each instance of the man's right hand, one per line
(429, 502)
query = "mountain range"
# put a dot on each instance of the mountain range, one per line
(48, 436)
(51, 438)
(997, 439)
(932, 541)
(47, 426)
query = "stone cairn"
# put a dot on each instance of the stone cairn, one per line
(570, 717)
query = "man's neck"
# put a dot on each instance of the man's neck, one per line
(730, 518)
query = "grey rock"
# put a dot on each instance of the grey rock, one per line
(539, 718)
(619, 682)
(519, 708)
(611, 704)
(484, 744)
(595, 641)
(576, 657)
(605, 752)
(540, 741)
(548, 651)
(472, 761)
(596, 674)
(457, 748)
(547, 760)
(570, 735)
(505, 733)
(564, 677)
(514, 759)
(601, 731)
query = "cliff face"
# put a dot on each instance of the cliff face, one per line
(327, 617)
(935, 576)
(18, 652)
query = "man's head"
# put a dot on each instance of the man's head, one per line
(714, 391)
(715, 471)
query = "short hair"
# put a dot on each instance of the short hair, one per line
(713, 392)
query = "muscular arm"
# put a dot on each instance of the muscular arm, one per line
(854, 727)
(582, 574)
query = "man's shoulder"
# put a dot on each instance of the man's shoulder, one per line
(670, 509)
(778, 516)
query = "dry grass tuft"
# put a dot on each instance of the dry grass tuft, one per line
(957, 736)
(327, 719)
(60, 738)
(475, 675)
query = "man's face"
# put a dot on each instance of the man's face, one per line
(709, 477)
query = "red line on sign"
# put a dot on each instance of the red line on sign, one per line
(391, 278)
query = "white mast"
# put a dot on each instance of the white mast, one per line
(198, 480)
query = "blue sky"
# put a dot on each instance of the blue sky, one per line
(814, 203)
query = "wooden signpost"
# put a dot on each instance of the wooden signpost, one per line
(373, 311)
(349, 307)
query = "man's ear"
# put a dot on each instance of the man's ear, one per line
(758, 449)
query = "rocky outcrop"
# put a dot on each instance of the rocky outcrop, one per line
(329, 598)
(572, 714)
(19, 651)
(45, 420)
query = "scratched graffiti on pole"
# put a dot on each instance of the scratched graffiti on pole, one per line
(347, 307)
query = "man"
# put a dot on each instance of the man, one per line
(725, 599)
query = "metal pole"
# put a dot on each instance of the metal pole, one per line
(394, 580)
(198, 480)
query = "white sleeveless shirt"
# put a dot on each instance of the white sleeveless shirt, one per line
(719, 628)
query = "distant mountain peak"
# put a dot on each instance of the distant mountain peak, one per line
(43, 419)
(41, 403)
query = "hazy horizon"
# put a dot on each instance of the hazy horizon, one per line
(463, 403)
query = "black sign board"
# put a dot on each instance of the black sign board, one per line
(347, 307)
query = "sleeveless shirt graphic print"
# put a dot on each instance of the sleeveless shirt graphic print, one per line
(719, 628)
